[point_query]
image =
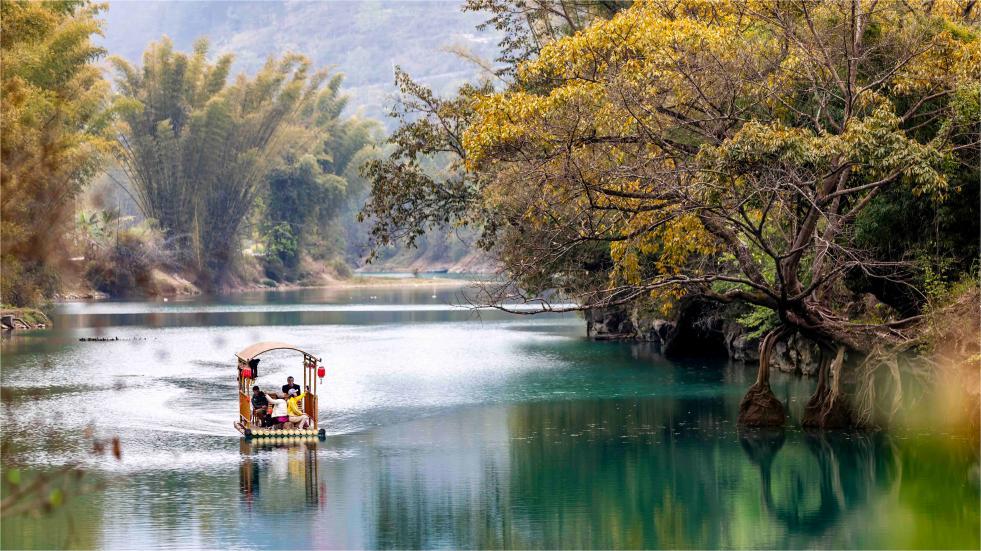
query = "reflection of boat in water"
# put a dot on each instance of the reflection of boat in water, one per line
(248, 373)
(263, 459)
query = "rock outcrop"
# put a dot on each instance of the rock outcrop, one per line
(796, 354)
(701, 329)
(23, 318)
(740, 345)
(613, 323)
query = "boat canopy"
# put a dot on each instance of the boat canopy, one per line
(263, 347)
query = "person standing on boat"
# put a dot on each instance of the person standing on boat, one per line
(297, 417)
(290, 388)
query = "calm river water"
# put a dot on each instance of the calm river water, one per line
(447, 429)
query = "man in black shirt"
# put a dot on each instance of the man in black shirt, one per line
(260, 406)
(291, 388)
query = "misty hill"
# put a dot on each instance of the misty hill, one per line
(363, 40)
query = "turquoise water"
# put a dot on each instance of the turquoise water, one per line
(448, 428)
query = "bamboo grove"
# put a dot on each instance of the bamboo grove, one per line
(210, 159)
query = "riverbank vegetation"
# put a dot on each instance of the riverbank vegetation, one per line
(205, 155)
(814, 165)
(230, 180)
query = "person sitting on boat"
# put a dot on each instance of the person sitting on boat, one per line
(260, 407)
(280, 412)
(290, 388)
(297, 417)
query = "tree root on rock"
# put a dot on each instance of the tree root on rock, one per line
(759, 407)
(826, 409)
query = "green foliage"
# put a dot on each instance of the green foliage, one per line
(197, 148)
(421, 185)
(759, 321)
(311, 193)
(421, 188)
(97, 227)
(52, 138)
(282, 243)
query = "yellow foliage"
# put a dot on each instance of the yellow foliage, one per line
(714, 105)
(53, 132)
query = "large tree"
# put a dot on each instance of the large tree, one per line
(727, 150)
(197, 148)
(53, 135)
(745, 152)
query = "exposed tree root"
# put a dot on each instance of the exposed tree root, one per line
(759, 407)
(826, 409)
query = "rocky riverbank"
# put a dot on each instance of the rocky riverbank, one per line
(23, 318)
(701, 328)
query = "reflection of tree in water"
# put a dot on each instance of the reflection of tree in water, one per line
(807, 488)
(617, 473)
(637, 473)
(424, 509)
(662, 473)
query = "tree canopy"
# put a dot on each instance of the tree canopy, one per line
(311, 186)
(735, 145)
(736, 151)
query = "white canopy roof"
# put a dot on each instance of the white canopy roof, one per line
(263, 347)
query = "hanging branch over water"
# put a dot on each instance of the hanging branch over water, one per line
(722, 150)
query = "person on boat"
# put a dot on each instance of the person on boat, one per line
(280, 411)
(297, 417)
(290, 388)
(260, 407)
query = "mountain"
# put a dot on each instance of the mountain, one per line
(364, 40)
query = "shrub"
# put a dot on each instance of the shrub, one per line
(26, 283)
(123, 264)
(341, 268)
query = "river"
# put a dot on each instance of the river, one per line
(447, 428)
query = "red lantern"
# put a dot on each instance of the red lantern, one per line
(321, 372)
(246, 373)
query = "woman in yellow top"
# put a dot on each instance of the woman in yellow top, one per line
(297, 417)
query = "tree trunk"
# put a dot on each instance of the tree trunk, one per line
(759, 407)
(826, 409)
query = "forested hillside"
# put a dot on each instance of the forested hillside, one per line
(362, 40)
